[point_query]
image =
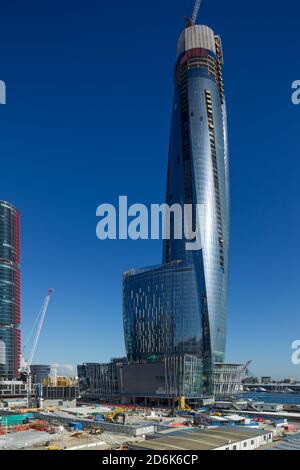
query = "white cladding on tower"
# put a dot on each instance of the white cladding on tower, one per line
(197, 36)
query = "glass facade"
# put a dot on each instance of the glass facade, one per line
(160, 312)
(198, 174)
(180, 307)
(99, 381)
(9, 291)
(39, 372)
(183, 375)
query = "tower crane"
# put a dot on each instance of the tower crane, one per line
(25, 369)
(191, 21)
(196, 10)
(245, 369)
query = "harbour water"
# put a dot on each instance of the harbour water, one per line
(288, 398)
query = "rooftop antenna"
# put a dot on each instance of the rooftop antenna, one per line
(196, 10)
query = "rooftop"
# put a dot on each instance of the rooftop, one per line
(196, 439)
(290, 443)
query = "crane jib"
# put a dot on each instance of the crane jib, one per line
(196, 10)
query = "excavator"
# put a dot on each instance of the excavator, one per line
(115, 415)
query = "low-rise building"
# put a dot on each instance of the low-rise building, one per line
(157, 381)
(266, 380)
(12, 389)
(222, 438)
(277, 407)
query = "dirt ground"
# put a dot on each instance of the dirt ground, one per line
(104, 441)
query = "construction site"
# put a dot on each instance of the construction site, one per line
(173, 391)
(168, 362)
(154, 404)
(112, 427)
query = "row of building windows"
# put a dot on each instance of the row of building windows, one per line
(210, 117)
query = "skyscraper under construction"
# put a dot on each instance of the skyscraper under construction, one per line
(178, 310)
(9, 291)
(175, 314)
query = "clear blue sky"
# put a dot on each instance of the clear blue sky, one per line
(87, 119)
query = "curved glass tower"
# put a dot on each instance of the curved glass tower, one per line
(198, 174)
(9, 291)
(180, 307)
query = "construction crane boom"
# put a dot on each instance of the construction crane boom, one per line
(196, 10)
(245, 367)
(40, 325)
(26, 367)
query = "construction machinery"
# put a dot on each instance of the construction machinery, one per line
(117, 413)
(191, 21)
(182, 404)
(245, 370)
(25, 369)
(54, 448)
(95, 431)
(196, 10)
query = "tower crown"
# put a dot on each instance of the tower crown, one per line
(196, 37)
